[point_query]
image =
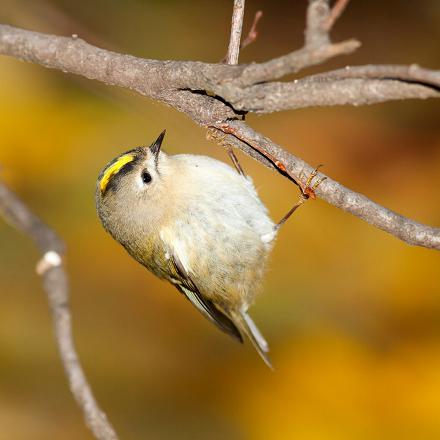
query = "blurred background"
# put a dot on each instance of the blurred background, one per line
(352, 314)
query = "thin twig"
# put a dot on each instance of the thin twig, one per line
(236, 28)
(253, 32)
(232, 58)
(335, 13)
(56, 285)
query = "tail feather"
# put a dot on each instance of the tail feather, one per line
(262, 343)
(248, 327)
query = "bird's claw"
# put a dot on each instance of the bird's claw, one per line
(307, 189)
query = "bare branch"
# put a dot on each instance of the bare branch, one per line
(271, 97)
(315, 34)
(293, 62)
(152, 78)
(55, 283)
(195, 88)
(353, 85)
(236, 28)
(335, 13)
(253, 32)
(333, 192)
(233, 55)
(413, 73)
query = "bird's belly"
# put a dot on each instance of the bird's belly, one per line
(227, 265)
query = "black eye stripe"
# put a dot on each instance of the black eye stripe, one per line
(125, 169)
(114, 180)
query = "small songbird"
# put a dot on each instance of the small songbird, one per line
(195, 222)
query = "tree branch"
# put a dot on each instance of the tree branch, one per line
(155, 79)
(293, 62)
(333, 192)
(316, 34)
(253, 32)
(334, 14)
(413, 74)
(236, 28)
(214, 95)
(277, 96)
(55, 283)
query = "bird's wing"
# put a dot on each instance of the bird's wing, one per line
(184, 281)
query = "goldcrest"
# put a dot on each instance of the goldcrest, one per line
(195, 222)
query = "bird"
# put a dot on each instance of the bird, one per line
(195, 222)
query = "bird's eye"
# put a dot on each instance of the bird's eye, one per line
(146, 177)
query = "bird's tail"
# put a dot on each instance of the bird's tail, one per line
(248, 327)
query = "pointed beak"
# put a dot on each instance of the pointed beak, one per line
(155, 148)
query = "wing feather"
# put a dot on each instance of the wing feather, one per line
(184, 282)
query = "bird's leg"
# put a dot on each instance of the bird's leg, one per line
(213, 133)
(307, 191)
(235, 162)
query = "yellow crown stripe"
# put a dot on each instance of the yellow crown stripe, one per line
(114, 169)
